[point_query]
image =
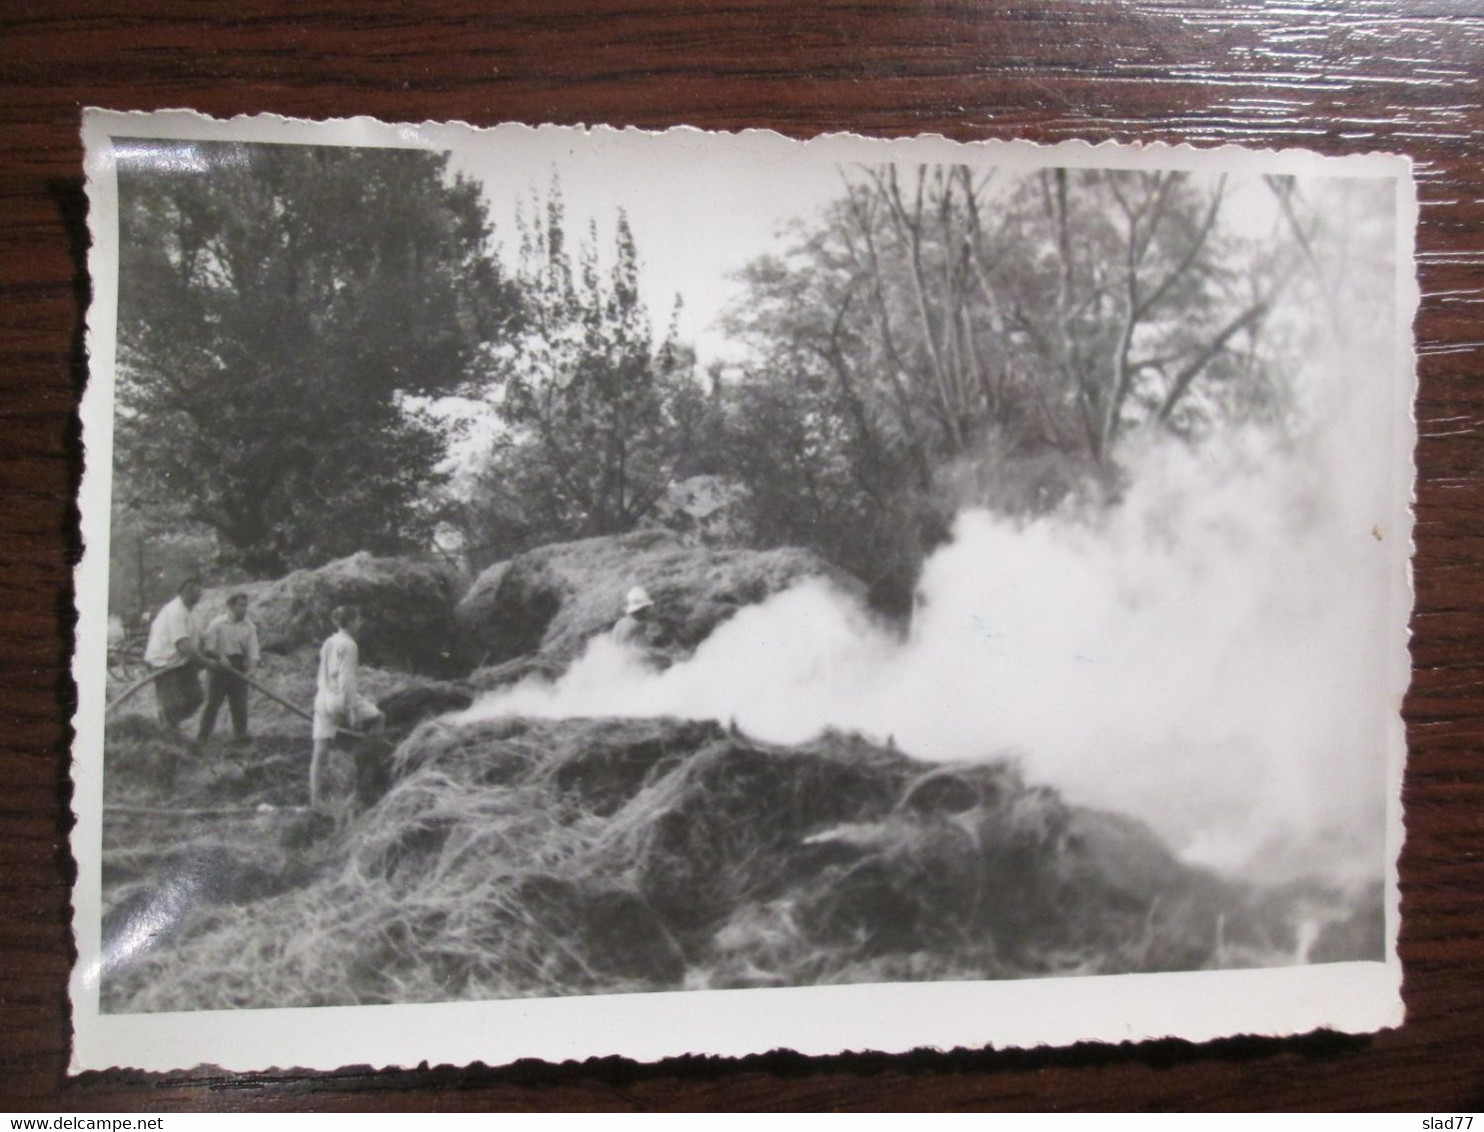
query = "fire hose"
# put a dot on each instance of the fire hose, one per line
(246, 679)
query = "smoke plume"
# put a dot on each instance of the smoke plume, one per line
(1210, 654)
(1206, 655)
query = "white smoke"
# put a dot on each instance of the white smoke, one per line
(1210, 655)
(1207, 655)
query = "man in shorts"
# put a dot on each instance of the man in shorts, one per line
(338, 702)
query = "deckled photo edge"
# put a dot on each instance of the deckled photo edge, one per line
(323, 1037)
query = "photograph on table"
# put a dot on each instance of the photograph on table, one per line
(948, 594)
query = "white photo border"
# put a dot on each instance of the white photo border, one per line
(1355, 997)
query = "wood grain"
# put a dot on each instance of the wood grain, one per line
(1340, 76)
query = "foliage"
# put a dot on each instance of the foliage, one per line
(941, 338)
(1126, 287)
(281, 308)
(793, 446)
(593, 420)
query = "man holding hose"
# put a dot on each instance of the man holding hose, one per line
(174, 651)
(338, 702)
(232, 641)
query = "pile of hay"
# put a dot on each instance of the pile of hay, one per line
(229, 829)
(408, 605)
(517, 857)
(541, 607)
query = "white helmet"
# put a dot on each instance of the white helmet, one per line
(638, 599)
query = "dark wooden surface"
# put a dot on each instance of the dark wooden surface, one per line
(1340, 76)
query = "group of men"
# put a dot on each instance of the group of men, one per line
(178, 652)
(228, 652)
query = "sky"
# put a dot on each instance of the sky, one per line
(699, 210)
(701, 206)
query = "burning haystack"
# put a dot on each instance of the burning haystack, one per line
(515, 857)
(535, 612)
(408, 605)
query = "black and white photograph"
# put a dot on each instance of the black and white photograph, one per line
(564, 592)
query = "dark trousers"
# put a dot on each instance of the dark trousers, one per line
(221, 685)
(178, 694)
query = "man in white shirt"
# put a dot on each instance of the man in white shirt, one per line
(175, 647)
(338, 702)
(231, 640)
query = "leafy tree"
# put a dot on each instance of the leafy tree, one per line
(830, 456)
(947, 337)
(282, 312)
(1125, 286)
(593, 421)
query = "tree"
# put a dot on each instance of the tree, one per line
(1128, 289)
(831, 454)
(592, 418)
(952, 337)
(283, 311)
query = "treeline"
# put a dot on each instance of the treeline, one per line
(292, 321)
(945, 337)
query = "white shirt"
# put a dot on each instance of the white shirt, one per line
(226, 637)
(338, 688)
(171, 625)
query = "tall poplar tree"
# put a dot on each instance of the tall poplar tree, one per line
(592, 413)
